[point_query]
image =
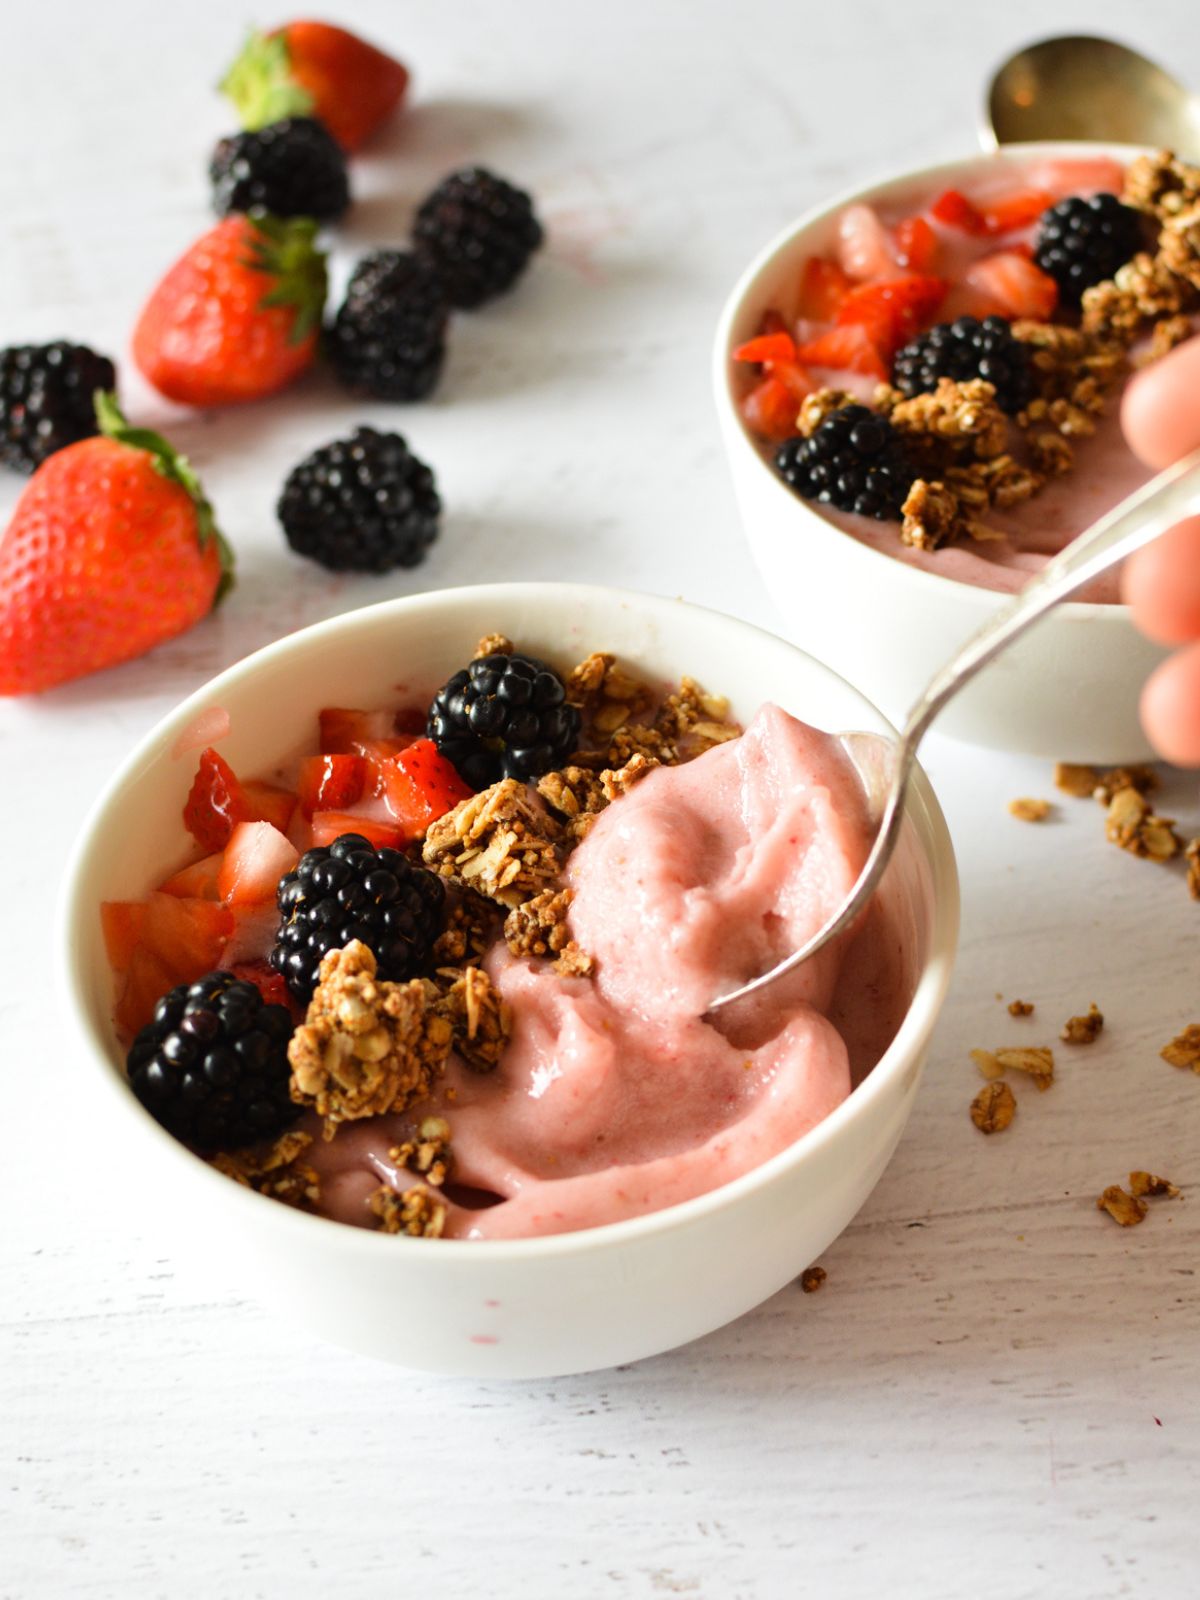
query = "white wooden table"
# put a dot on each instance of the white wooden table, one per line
(995, 1395)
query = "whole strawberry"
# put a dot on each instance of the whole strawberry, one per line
(111, 549)
(238, 315)
(312, 69)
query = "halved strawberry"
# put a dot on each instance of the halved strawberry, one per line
(197, 882)
(1013, 281)
(187, 936)
(823, 286)
(770, 409)
(954, 210)
(344, 731)
(270, 803)
(864, 246)
(269, 983)
(256, 857)
(916, 244)
(893, 311)
(147, 980)
(850, 348)
(217, 802)
(330, 783)
(330, 825)
(422, 786)
(121, 922)
(1007, 212)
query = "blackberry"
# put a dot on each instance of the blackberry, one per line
(965, 349)
(293, 168)
(46, 399)
(503, 717)
(1081, 242)
(855, 460)
(480, 232)
(361, 504)
(388, 339)
(350, 890)
(212, 1067)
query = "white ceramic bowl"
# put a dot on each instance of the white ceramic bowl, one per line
(530, 1307)
(1068, 690)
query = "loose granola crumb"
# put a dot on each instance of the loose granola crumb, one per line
(1076, 780)
(1035, 1060)
(366, 1046)
(497, 843)
(585, 681)
(1184, 1048)
(1192, 856)
(1146, 1183)
(993, 1108)
(1124, 1208)
(931, 516)
(493, 644)
(276, 1170)
(1084, 1029)
(480, 1020)
(539, 926)
(417, 1211)
(812, 1278)
(1030, 810)
(1161, 184)
(1141, 777)
(1132, 824)
(1020, 1008)
(574, 962)
(428, 1153)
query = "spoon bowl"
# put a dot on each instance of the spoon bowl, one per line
(1083, 87)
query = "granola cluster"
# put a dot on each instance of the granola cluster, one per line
(276, 1170)
(1160, 288)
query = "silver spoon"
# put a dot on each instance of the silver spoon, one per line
(886, 766)
(1080, 87)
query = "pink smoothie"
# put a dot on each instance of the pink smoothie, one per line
(614, 1098)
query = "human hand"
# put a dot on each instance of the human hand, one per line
(1160, 416)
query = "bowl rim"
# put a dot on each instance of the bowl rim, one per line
(739, 438)
(74, 906)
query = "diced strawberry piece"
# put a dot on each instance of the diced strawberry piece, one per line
(954, 210)
(823, 286)
(864, 246)
(344, 732)
(793, 377)
(1095, 175)
(330, 825)
(1012, 280)
(767, 347)
(197, 882)
(256, 857)
(378, 756)
(1007, 212)
(270, 803)
(329, 783)
(916, 244)
(849, 348)
(422, 786)
(187, 936)
(269, 983)
(894, 311)
(147, 980)
(770, 409)
(217, 802)
(122, 922)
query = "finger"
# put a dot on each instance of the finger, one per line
(1162, 585)
(1160, 412)
(1171, 708)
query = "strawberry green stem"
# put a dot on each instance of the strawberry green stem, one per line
(284, 249)
(261, 85)
(177, 469)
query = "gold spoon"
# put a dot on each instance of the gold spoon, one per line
(1080, 87)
